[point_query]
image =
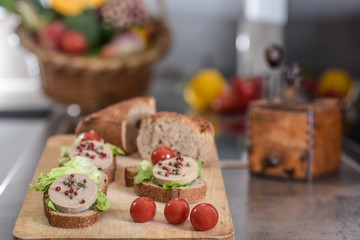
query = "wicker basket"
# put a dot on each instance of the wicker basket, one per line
(95, 83)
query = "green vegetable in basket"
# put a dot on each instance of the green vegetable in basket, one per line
(87, 24)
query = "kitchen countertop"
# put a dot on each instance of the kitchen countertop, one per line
(327, 208)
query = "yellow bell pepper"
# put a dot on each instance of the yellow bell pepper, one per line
(73, 7)
(203, 88)
(335, 82)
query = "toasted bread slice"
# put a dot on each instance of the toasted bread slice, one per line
(78, 220)
(110, 171)
(130, 174)
(118, 124)
(192, 193)
(67, 220)
(189, 136)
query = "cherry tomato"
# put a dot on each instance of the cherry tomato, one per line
(143, 209)
(204, 216)
(74, 42)
(176, 211)
(91, 136)
(161, 153)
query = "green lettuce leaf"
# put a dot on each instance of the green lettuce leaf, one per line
(145, 171)
(63, 160)
(175, 185)
(153, 179)
(76, 165)
(199, 167)
(102, 202)
(115, 150)
(64, 152)
(49, 203)
(78, 139)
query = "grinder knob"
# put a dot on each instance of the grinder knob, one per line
(274, 55)
(272, 161)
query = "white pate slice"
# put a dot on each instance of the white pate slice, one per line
(179, 169)
(97, 152)
(73, 193)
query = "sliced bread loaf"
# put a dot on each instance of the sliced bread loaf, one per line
(189, 136)
(118, 124)
(192, 193)
(77, 220)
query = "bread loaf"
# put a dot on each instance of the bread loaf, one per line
(189, 136)
(118, 124)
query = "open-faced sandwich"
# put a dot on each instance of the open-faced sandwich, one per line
(91, 146)
(168, 178)
(190, 136)
(74, 195)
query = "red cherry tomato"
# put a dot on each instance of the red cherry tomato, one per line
(91, 136)
(176, 211)
(204, 216)
(161, 153)
(74, 42)
(143, 209)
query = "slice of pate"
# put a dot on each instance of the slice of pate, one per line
(97, 152)
(73, 193)
(179, 169)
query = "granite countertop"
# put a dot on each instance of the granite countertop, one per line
(265, 208)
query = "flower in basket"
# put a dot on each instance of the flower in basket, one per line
(101, 28)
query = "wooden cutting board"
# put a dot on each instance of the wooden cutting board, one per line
(116, 223)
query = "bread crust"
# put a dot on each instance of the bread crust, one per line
(201, 127)
(78, 220)
(130, 174)
(191, 194)
(65, 220)
(109, 122)
(110, 171)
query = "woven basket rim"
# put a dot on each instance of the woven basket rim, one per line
(58, 59)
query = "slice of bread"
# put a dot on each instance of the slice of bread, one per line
(67, 220)
(189, 136)
(78, 220)
(130, 174)
(110, 171)
(118, 124)
(192, 193)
